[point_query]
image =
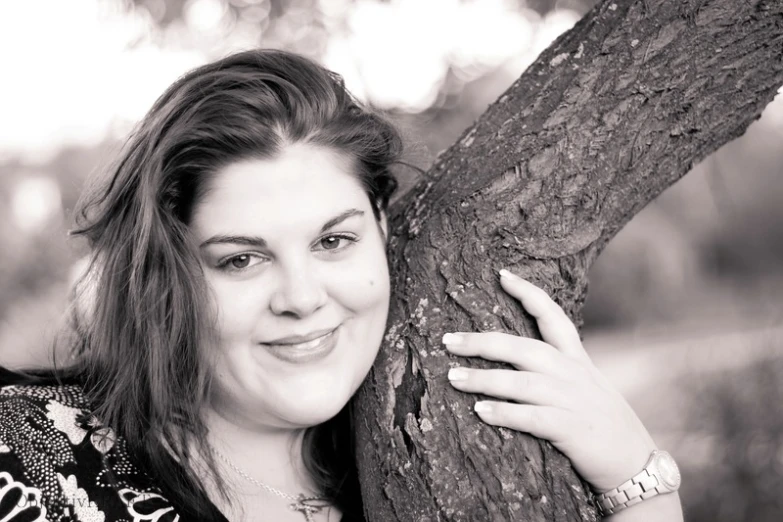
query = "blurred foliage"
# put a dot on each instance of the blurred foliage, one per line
(736, 420)
(169, 11)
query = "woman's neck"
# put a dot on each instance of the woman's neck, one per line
(271, 456)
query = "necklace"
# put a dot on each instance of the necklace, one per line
(307, 505)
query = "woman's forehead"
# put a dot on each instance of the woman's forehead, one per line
(303, 184)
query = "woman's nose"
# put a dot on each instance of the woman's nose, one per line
(299, 292)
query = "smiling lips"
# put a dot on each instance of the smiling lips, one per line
(295, 340)
(304, 348)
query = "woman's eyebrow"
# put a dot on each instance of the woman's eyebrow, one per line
(260, 242)
(341, 217)
(253, 241)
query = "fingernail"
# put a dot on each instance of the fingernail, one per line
(452, 339)
(508, 275)
(482, 407)
(458, 374)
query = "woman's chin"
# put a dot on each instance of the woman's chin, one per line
(306, 416)
(311, 409)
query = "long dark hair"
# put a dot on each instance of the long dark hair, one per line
(138, 352)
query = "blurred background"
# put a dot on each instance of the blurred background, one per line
(684, 312)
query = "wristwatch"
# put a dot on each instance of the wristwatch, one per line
(660, 475)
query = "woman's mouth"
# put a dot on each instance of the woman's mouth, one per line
(305, 351)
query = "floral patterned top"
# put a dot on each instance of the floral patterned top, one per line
(58, 464)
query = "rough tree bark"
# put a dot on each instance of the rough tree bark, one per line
(614, 112)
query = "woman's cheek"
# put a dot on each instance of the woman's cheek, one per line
(364, 285)
(362, 289)
(234, 308)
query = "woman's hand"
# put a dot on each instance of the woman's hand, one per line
(555, 392)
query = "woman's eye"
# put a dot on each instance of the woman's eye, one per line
(335, 242)
(330, 243)
(239, 262)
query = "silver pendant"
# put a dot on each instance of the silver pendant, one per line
(309, 506)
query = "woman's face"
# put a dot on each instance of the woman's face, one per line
(296, 264)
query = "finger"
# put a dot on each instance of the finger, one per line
(521, 352)
(544, 422)
(512, 385)
(555, 326)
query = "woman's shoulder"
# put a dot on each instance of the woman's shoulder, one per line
(65, 395)
(44, 411)
(62, 462)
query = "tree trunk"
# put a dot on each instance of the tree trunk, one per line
(614, 112)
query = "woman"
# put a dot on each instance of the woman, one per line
(239, 293)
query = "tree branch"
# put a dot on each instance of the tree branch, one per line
(613, 113)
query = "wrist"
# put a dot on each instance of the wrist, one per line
(663, 508)
(659, 476)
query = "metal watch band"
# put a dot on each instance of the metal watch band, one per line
(640, 487)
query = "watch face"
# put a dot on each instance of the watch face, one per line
(669, 472)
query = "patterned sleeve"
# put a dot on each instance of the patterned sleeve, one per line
(58, 464)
